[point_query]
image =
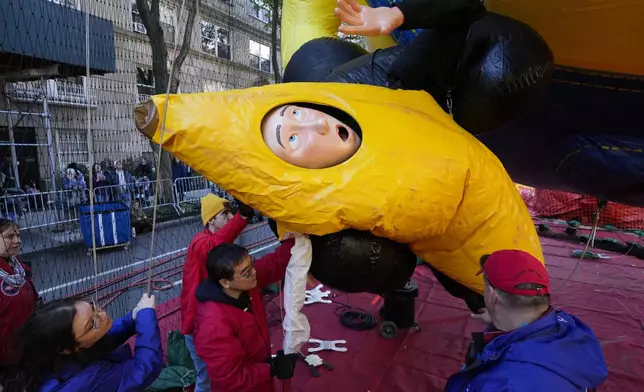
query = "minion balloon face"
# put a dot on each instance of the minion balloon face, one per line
(306, 136)
(320, 158)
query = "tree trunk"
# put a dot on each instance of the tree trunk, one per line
(150, 16)
(275, 20)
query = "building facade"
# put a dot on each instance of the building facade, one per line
(52, 114)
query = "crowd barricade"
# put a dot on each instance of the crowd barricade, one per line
(138, 194)
(43, 209)
(190, 190)
(59, 208)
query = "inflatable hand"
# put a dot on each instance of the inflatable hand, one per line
(364, 20)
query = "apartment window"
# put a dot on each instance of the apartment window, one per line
(168, 20)
(144, 82)
(213, 87)
(72, 146)
(215, 40)
(66, 3)
(137, 22)
(257, 10)
(71, 87)
(260, 56)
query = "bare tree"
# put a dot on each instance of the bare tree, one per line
(149, 11)
(276, 11)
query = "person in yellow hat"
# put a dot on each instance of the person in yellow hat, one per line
(220, 226)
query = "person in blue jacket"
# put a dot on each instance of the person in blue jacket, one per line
(70, 345)
(528, 346)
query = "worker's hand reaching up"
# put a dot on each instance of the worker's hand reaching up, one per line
(146, 302)
(245, 211)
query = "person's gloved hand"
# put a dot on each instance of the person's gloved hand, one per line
(145, 302)
(245, 211)
(282, 365)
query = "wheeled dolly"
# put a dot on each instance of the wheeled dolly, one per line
(399, 310)
(123, 245)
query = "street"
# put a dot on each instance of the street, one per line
(119, 277)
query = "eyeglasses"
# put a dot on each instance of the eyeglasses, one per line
(248, 274)
(95, 317)
(96, 320)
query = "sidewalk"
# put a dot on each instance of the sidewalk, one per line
(48, 237)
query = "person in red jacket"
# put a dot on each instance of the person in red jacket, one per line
(220, 227)
(18, 295)
(231, 331)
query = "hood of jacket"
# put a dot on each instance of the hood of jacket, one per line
(76, 377)
(558, 342)
(211, 291)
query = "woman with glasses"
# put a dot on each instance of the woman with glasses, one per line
(17, 293)
(70, 345)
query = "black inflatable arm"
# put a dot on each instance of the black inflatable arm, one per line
(432, 14)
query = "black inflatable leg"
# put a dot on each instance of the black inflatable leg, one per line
(317, 58)
(474, 300)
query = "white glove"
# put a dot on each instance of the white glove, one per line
(146, 302)
(317, 295)
(314, 360)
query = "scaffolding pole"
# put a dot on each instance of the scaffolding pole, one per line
(19, 113)
(50, 143)
(12, 145)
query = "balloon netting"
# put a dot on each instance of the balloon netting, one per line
(71, 72)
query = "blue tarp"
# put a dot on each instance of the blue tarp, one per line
(40, 32)
(111, 223)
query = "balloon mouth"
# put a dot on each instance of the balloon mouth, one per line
(343, 133)
(146, 118)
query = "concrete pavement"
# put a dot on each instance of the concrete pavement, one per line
(121, 274)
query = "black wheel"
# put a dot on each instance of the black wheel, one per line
(388, 330)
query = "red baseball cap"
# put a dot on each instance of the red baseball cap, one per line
(507, 269)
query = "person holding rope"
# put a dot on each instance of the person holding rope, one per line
(71, 345)
(231, 331)
(220, 226)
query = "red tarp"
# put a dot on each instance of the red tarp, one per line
(607, 294)
(563, 205)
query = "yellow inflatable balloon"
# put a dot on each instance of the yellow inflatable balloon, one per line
(417, 177)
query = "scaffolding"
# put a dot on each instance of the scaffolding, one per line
(15, 115)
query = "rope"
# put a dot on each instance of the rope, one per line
(591, 239)
(163, 120)
(91, 155)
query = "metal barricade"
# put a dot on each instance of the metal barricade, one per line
(43, 209)
(189, 190)
(139, 193)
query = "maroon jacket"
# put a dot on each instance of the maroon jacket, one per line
(194, 269)
(231, 335)
(14, 310)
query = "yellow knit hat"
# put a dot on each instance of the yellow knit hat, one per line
(211, 205)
